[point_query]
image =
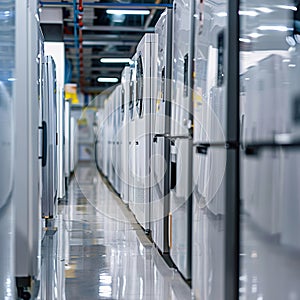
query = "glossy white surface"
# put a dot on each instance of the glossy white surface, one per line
(181, 151)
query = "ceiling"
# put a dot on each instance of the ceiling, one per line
(97, 35)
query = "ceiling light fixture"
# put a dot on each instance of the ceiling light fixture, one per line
(115, 60)
(127, 12)
(108, 79)
(274, 28)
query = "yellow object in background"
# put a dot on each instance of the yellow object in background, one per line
(71, 92)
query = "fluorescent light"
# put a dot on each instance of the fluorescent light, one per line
(11, 79)
(275, 28)
(243, 40)
(127, 12)
(250, 13)
(255, 35)
(107, 79)
(222, 14)
(264, 9)
(294, 8)
(116, 60)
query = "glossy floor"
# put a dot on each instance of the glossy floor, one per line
(100, 252)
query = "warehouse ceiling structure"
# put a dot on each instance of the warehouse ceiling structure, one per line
(94, 32)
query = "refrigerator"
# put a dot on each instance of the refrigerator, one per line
(160, 202)
(124, 134)
(131, 136)
(7, 164)
(99, 139)
(73, 144)
(117, 153)
(67, 137)
(111, 145)
(26, 189)
(49, 129)
(146, 63)
(180, 215)
(61, 191)
(104, 142)
(7, 149)
(209, 153)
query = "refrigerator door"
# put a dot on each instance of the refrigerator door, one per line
(73, 144)
(270, 194)
(67, 139)
(7, 172)
(117, 117)
(109, 139)
(113, 138)
(209, 163)
(26, 195)
(104, 141)
(60, 147)
(181, 144)
(49, 141)
(45, 143)
(144, 105)
(131, 136)
(124, 134)
(160, 207)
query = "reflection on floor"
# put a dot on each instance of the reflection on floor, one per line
(100, 252)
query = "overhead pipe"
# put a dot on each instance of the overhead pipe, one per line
(81, 63)
(151, 15)
(107, 37)
(76, 40)
(100, 43)
(100, 5)
(118, 28)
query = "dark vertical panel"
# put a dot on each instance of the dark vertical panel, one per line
(232, 167)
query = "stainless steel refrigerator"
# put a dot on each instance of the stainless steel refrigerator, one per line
(181, 138)
(160, 202)
(146, 63)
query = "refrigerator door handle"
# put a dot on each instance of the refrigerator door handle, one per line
(173, 177)
(221, 71)
(44, 143)
(242, 137)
